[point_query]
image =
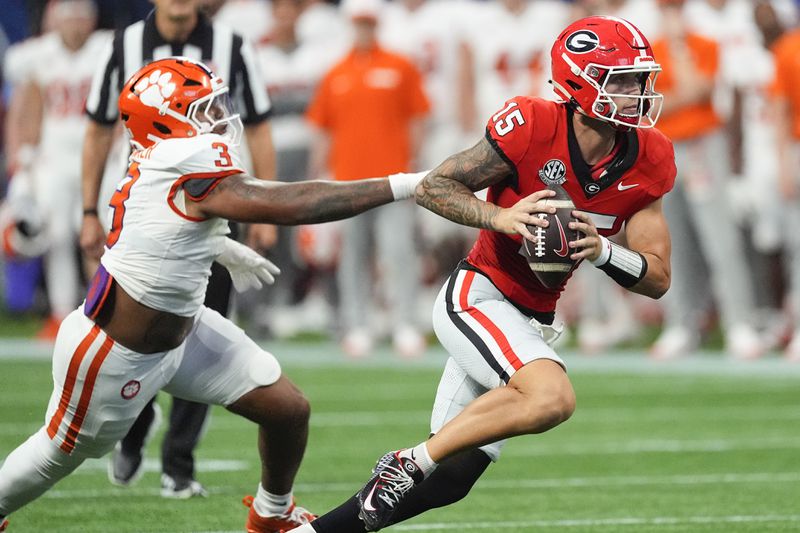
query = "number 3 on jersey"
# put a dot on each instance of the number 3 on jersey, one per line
(117, 203)
(504, 121)
(224, 157)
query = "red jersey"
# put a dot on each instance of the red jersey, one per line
(536, 138)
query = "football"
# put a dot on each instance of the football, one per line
(549, 257)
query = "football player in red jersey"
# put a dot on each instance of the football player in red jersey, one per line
(495, 319)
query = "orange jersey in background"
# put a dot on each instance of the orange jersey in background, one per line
(367, 103)
(693, 120)
(787, 75)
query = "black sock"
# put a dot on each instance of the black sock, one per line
(450, 482)
(343, 519)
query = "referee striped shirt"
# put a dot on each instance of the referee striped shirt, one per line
(226, 53)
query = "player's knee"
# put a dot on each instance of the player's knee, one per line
(546, 409)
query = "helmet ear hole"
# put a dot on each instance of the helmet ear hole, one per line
(574, 86)
(162, 128)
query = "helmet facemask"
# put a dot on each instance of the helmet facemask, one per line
(600, 77)
(214, 113)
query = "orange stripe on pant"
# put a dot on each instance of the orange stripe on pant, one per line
(69, 381)
(86, 396)
(486, 322)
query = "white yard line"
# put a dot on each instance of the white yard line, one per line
(329, 354)
(585, 415)
(486, 484)
(623, 521)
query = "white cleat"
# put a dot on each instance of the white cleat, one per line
(744, 343)
(675, 342)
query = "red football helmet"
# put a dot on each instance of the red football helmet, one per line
(176, 97)
(598, 60)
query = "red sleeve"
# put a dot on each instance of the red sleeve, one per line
(510, 129)
(661, 158)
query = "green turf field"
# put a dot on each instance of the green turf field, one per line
(697, 446)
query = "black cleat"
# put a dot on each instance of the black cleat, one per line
(392, 478)
(124, 468)
(181, 489)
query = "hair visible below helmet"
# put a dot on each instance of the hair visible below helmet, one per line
(176, 97)
(589, 54)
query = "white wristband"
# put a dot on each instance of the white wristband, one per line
(605, 252)
(404, 184)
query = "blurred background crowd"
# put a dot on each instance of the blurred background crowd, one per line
(732, 108)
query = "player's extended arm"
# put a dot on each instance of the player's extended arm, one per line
(246, 199)
(449, 189)
(647, 233)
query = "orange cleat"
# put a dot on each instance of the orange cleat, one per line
(294, 517)
(3, 524)
(48, 331)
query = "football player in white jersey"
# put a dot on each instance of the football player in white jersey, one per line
(507, 47)
(59, 69)
(143, 328)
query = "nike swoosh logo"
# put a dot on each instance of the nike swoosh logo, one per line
(368, 500)
(622, 187)
(563, 251)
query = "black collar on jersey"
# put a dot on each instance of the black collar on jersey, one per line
(622, 162)
(202, 36)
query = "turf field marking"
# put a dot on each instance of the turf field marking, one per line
(92, 466)
(586, 415)
(591, 522)
(628, 447)
(485, 484)
(329, 354)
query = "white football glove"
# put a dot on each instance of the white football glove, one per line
(246, 267)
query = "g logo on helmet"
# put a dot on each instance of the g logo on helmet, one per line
(582, 41)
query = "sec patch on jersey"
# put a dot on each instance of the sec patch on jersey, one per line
(549, 257)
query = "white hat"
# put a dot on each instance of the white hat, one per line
(362, 8)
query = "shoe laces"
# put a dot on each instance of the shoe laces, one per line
(396, 482)
(298, 514)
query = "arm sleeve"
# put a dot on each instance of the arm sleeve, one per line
(101, 104)
(251, 99)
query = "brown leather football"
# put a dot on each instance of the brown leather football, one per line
(549, 257)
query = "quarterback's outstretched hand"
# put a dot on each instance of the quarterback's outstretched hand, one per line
(246, 267)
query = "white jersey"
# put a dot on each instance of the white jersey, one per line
(160, 255)
(511, 51)
(64, 78)
(421, 36)
(16, 66)
(292, 77)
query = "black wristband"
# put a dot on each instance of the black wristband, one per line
(625, 266)
(90, 212)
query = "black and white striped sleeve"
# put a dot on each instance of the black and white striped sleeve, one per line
(250, 96)
(101, 104)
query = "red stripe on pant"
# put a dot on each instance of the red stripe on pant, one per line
(69, 381)
(86, 396)
(486, 322)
